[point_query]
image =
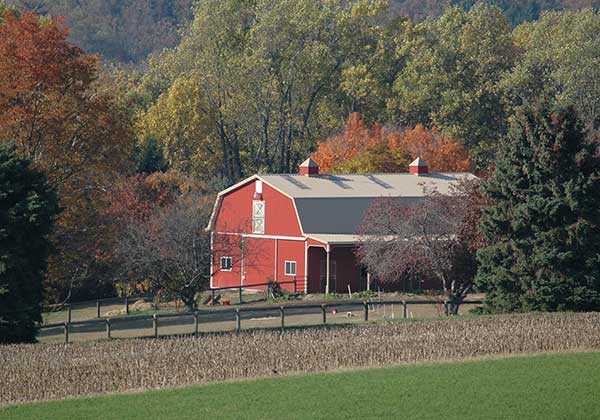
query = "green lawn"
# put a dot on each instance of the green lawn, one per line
(564, 386)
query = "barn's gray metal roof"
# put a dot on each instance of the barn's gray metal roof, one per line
(335, 215)
(365, 185)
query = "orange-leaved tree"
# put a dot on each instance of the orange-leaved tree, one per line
(441, 152)
(359, 149)
(52, 109)
(344, 147)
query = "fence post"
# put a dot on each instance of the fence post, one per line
(155, 325)
(97, 309)
(446, 308)
(240, 289)
(69, 312)
(295, 286)
(66, 332)
(238, 321)
(404, 309)
(126, 305)
(366, 310)
(282, 310)
(108, 328)
(195, 324)
(324, 312)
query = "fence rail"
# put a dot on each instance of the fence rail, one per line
(365, 306)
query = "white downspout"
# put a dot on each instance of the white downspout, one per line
(212, 257)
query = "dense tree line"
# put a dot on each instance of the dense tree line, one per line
(127, 31)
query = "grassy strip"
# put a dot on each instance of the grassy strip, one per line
(557, 386)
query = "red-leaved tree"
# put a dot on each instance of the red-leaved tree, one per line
(434, 236)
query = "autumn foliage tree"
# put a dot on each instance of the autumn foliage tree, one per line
(434, 237)
(58, 118)
(441, 152)
(360, 149)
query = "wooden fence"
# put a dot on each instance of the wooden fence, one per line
(366, 307)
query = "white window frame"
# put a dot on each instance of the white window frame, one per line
(295, 265)
(230, 263)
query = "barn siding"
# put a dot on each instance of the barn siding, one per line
(260, 261)
(235, 212)
(291, 251)
(226, 246)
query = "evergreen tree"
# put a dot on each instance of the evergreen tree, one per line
(543, 230)
(28, 206)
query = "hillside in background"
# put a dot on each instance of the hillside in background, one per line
(127, 31)
(517, 11)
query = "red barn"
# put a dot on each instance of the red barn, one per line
(302, 227)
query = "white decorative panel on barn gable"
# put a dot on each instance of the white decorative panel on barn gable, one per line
(258, 216)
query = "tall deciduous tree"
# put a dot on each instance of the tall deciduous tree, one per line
(450, 80)
(561, 60)
(544, 227)
(267, 80)
(28, 207)
(61, 120)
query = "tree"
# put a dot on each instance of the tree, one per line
(441, 152)
(28, 207)
(131, 201)
(172, 248)
(450, 80)
(355, 138)
(148, 157)
(267, 80)
(432, 237)
(67, 125)
(178, 123)
(543, 229)
(361, 150)
(560, 60)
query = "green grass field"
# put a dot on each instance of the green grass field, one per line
(557, 386)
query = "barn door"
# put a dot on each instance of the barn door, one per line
(332, 275)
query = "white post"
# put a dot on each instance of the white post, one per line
(327, 271)
(368, 281)
(243, 280)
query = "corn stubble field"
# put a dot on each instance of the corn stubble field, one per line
(45, 372)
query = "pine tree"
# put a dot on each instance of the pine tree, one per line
(543, 230)
(28, 206)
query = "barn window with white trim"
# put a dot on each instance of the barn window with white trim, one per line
(290, 268)
(226, 263)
